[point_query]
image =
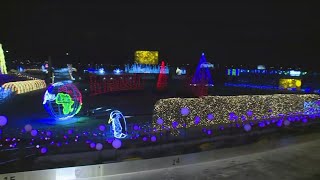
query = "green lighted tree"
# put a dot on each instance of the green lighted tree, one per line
(3, 67)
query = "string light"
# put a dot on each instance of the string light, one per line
(146, 57)
(162, 82)
(105, 84)
(290, 83)
(21, 87)
(231, 109)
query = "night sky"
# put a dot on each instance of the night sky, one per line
(230, 33)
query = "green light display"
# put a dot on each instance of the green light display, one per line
(3, 67)
(66, 101)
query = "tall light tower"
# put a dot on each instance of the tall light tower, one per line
(3, 67)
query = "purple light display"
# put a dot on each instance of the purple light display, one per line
(43, 150)
(99, 146)
(247, 127)
(116, 143)
(153, 139)
(196, 120)
(92, 145)
(184, 111)
(34, 132)
(210, 117)
(159, 121)
(102, 127)
(3, 120)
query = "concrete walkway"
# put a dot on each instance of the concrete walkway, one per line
(285, 158)
(299, 161)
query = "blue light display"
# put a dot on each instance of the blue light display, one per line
(237, 72)
(117, 71)
(269, 87)
(251, 86)
(119, 129)
(233, 72)
(5, 94)
(202, 75)
(145, 69)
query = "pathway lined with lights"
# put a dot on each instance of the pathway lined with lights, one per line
(283, 158)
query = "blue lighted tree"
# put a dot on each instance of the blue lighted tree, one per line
(202, 74)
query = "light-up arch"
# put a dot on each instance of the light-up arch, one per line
(21, 87)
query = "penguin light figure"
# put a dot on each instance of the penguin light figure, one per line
(117, 128)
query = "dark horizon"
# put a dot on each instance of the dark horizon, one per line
(236, 33)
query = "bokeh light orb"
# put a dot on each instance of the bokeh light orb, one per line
(247, 127)
(159, 121)
(92, 145)
(197, 120)
(153, 139)
(3, 120)
(116, 143)
(136, 127)
(43, 150)
(102, 127)
(210, 117)
(34, 132)
(184, 111)
(304, 120)
(99, 146)
(175, 124)
(48, 133)
(27, 127)
(62, 100)
(286, 122)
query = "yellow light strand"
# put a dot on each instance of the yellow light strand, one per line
(21, 87)
(3, 67)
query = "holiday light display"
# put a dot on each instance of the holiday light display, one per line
(290, 83)
(202, 78)
(295, 73)
(162, 78)
(5, 94)
(146, 57)
(62, 100)
(66, 101)
(112, 83)
(261, 67)
(20, 75)
(202, 74)
(117, 71)
(20, 87)
(144, 69)
(181, 71)
(3, 66)
(231, 109)
(119, 129)
(233, 72)
(253, 86)
(237, 72)
(63, 74)
(70, 70)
